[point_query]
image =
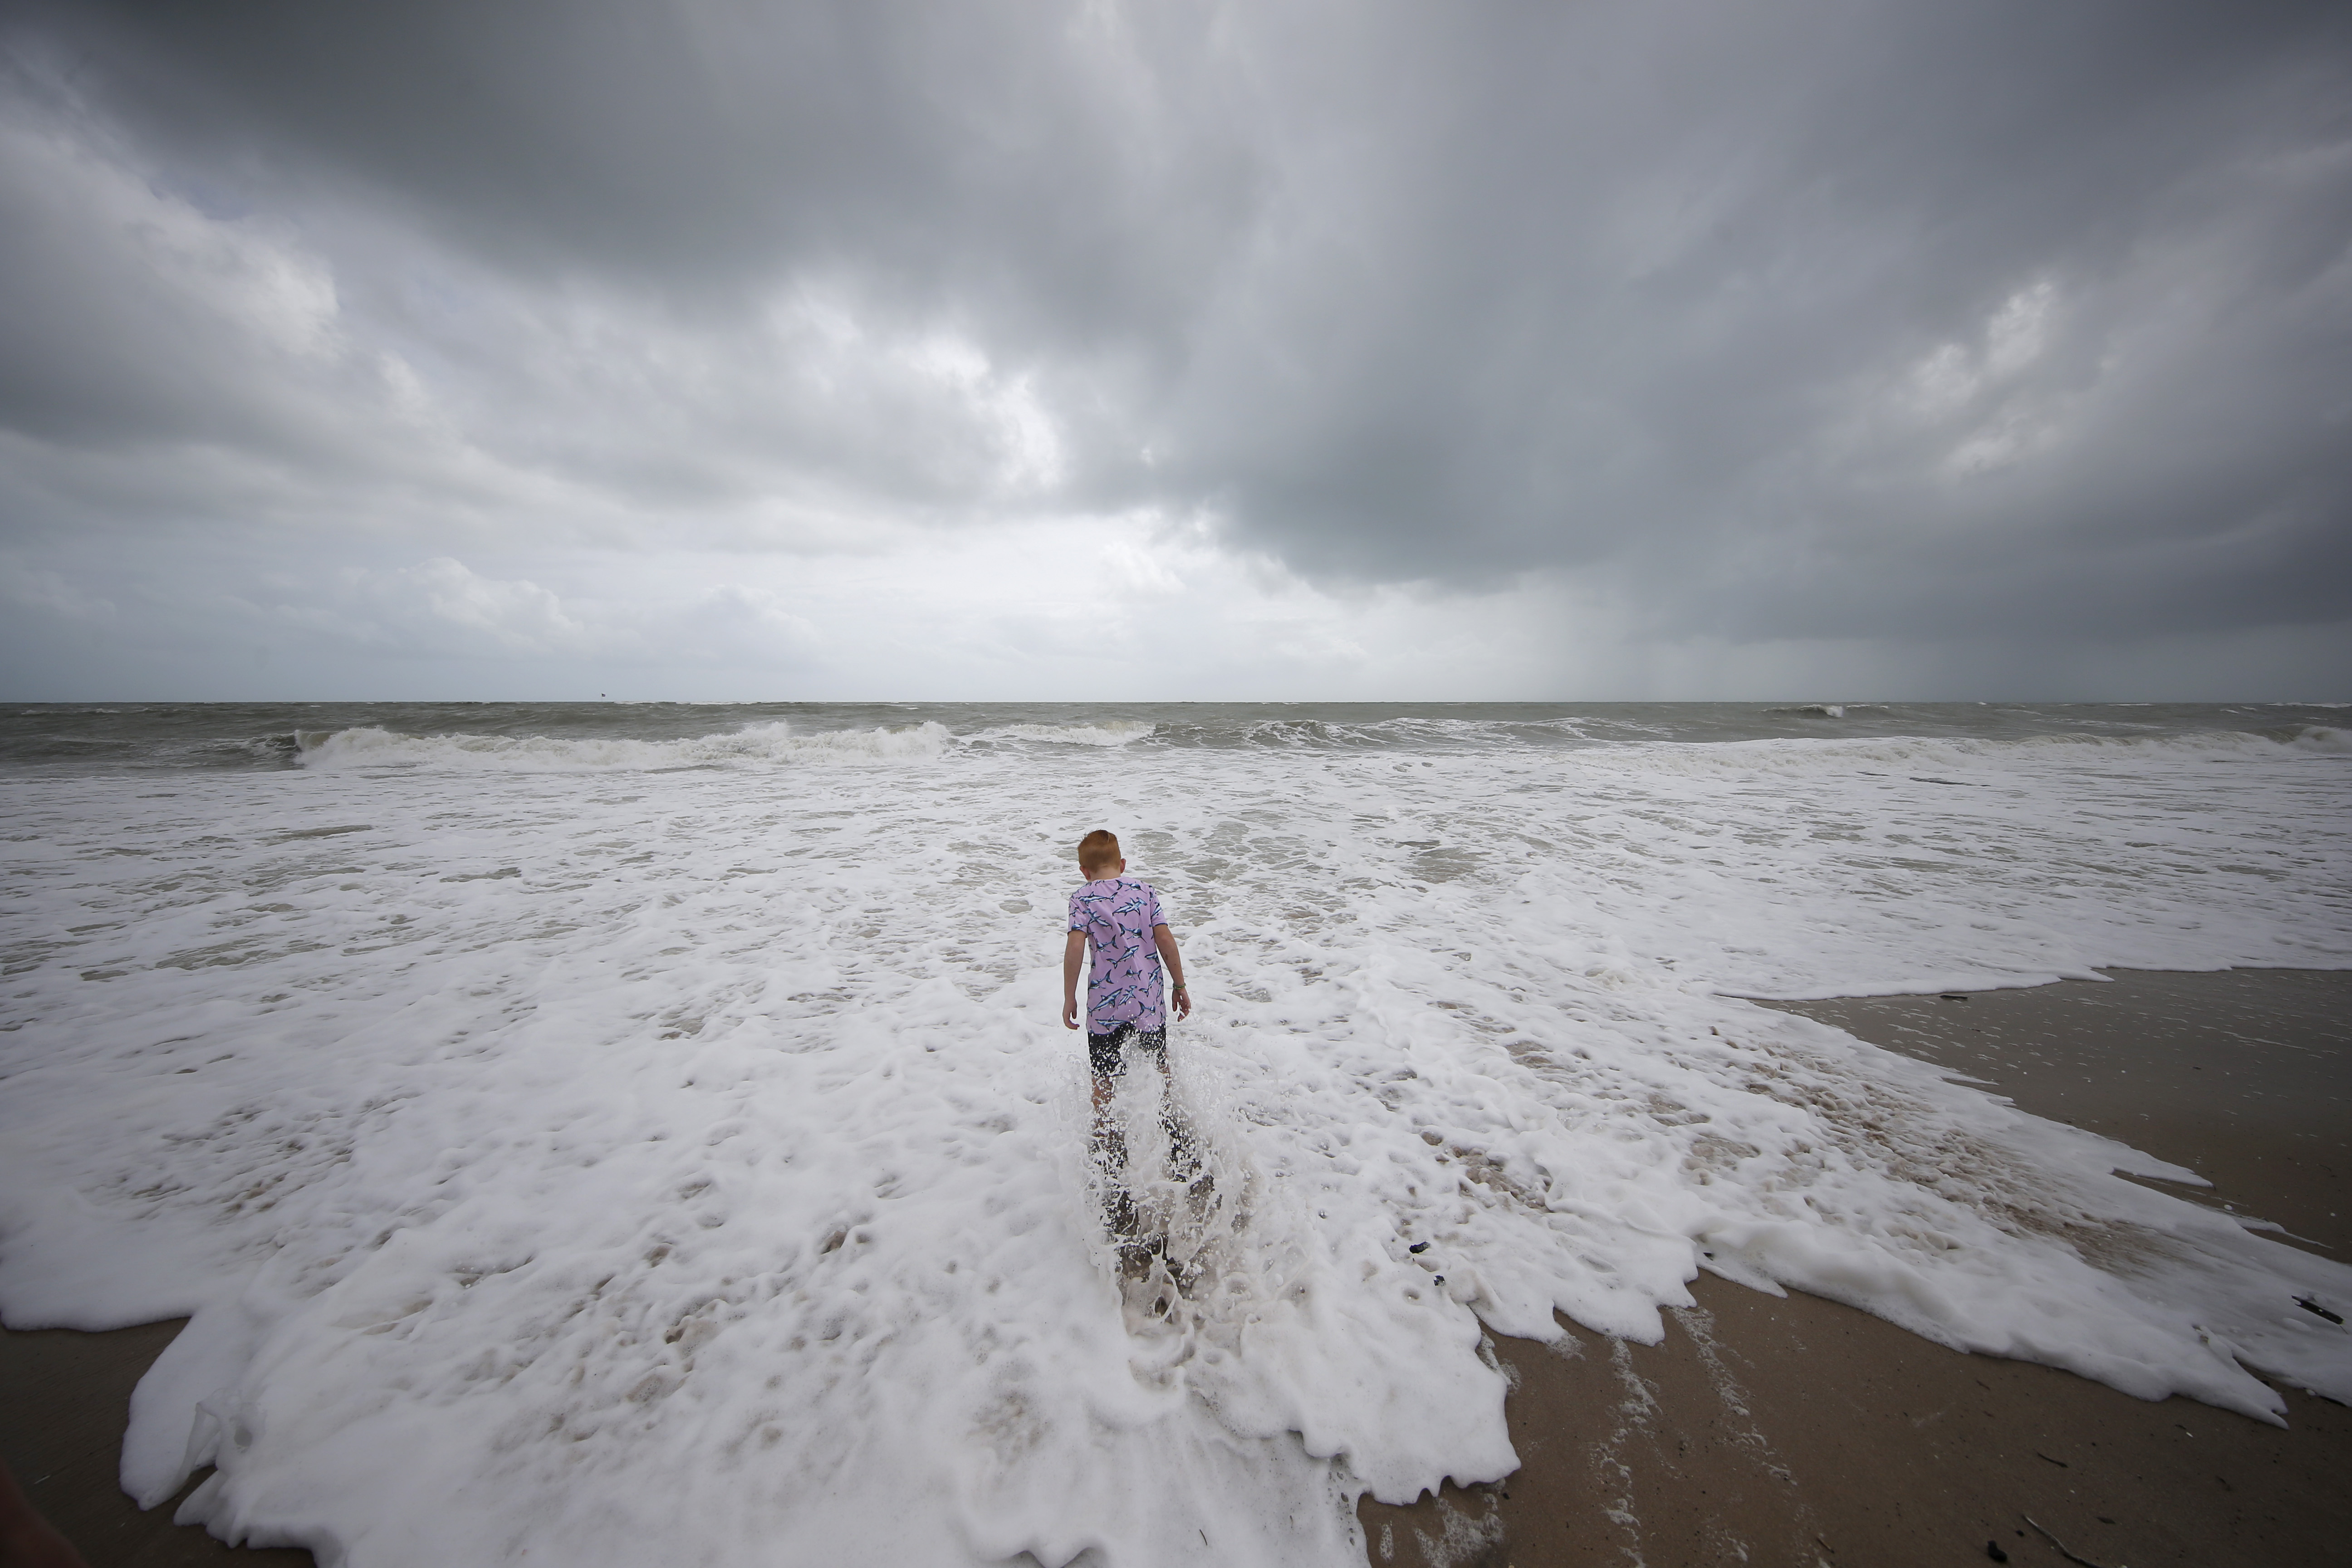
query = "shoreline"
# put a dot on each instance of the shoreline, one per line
(69, 1395)
(1798, 1430)
(2229, 1072)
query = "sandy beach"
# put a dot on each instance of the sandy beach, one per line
(1802, 1431)
(1793, 1430)
(67, 1398)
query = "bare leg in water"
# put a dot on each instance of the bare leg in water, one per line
(1109, 1140)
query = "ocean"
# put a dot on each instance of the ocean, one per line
(644, 1132)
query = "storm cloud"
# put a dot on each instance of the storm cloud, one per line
(1675, 349)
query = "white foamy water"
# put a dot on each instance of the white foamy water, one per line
(614, 1149)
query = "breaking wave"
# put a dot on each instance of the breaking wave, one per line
(1110, 733)
(779, 743)
(754, 743)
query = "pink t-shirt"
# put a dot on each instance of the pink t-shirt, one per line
(1123, 986)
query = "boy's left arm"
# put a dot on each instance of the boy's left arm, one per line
(1165, 941)
(1073, 954)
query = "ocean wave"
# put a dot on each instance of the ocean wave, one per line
(1791, 754)
(2309, 739)
(587, 1135)
(650, 736)
(283, 750)
(40, 746)
(773, 742)
(1405, 731)
(2321, 739)
(1109, 732)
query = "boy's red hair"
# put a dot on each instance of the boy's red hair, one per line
(1097, 850)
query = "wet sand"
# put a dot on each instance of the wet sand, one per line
(1799, 1431)
(2243, 1076)
(65, 1399)
(1772, 1431)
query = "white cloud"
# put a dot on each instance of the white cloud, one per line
(520, 615)
(1993, 413)
(1132, 569)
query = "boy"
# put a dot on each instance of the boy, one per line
(1120, 916)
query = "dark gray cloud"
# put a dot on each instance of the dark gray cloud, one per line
(1827, 321)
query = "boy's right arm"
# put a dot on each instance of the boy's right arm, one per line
(1074, 954)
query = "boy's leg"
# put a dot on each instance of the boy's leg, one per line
(1104, 1054)
(1108, 1055)
(1108, 1141)
(1183, 1148)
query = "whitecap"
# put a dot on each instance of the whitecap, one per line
(773, 742)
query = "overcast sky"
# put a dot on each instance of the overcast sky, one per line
(738, 350)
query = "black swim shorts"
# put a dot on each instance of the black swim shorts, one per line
(1107, 1051)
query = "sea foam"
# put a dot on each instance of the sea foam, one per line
(671, 1152)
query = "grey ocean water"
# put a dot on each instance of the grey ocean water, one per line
(646, 1132)
(101, 737)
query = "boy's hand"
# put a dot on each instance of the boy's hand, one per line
(1069, 1011)
(1173, 961)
